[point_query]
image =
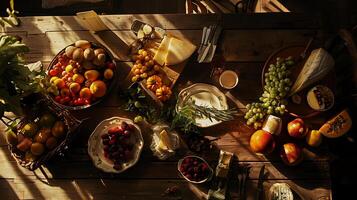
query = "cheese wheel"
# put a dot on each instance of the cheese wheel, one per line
(179, 51)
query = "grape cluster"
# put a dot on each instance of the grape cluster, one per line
(277, 86)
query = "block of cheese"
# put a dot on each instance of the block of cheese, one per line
(173, 51)
(337, 126)
(165, 141)
(161, 54)
(179, 51)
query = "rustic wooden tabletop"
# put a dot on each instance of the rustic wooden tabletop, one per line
(246, 42)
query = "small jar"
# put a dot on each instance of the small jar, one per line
(272, 125)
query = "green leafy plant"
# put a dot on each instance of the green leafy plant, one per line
(16, 80)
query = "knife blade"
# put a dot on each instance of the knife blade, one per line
(204, 33)
(207, 44)
(260, 183)
(214, 44)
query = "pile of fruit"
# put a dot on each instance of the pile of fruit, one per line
(145, 68)
(277, 86)
(80, 75)
(263, 142)
(38, 137)
(194, 169)
(117, 144)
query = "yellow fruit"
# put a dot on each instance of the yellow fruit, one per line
(84, 44)
(43, 135)
(314, 138)
(74, 87)
(108, 74)
(59, 83)
(98, 88)
(85, 93)
(135, 78)
(78, 78)
(30, 129)
(37, 148)
(51, 142)
(53, 79)
(91, 75)
(69, 68)
(65, 92)
(58, 129)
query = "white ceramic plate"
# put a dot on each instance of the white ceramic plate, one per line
(204, 95)
(95, 145)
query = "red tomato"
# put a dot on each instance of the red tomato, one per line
(58, 98)
(53, 72)
(67, 98)
(80, 101)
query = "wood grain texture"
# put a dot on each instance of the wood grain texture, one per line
(246, 42)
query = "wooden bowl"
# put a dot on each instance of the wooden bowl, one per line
(302, 110)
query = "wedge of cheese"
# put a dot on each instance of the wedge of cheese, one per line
(173, 51)
(161, 54)
(179, 51)
(165, 141)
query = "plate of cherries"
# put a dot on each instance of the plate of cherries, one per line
(115, 145)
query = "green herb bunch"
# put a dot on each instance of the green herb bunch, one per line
(16, 80)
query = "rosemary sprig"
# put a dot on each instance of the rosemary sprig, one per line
(185, 118)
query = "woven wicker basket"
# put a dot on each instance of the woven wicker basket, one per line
(40, 104)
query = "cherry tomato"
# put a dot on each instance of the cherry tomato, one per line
(53, 72)
(58, 98)
(80, 101)
(67, 98)
(58, 65)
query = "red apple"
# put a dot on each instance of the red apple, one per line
(262, 142)
(297, 128)
(291, 154)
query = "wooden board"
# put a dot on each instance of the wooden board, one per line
(246, 42)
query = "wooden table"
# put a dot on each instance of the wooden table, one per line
(246, 42)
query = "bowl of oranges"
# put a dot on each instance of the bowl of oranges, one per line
(80, 75)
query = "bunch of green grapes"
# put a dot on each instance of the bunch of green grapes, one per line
(277, 86)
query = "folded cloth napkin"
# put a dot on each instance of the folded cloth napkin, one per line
(56, 3)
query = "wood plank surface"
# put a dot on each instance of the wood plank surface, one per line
(246, 42)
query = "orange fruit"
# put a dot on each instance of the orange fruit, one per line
(98, 88)
(85, 93)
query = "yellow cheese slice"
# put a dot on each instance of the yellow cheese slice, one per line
(161, 54)
(179, 51)
(165, 141)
